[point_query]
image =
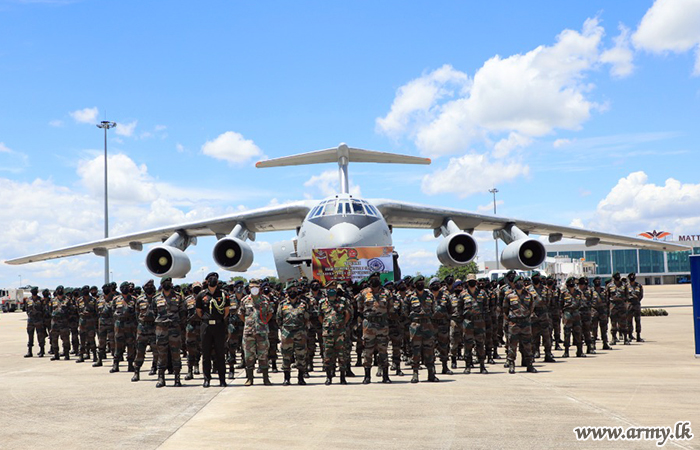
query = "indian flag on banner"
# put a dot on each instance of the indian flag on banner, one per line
(352, 263)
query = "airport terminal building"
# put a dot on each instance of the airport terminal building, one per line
(651, 266)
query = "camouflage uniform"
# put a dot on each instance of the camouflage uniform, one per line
(105, 329)
(274, 334)
(441, 322)
(599, 316)
(314, 330)
(59, 327)
(73, 320)
(618, 297)
(541, 321)
(518, 308)
(571, 304)
(396, 333)
(87, 326)
(420, 309)
(374, 308)
(46, 302)
(124, 336)
(555, 313)
(475, 307)
(35, 323)
(170, 311)
(634, 311)
(146, 332)
(234, 338)
(255, 314)
(293, 319)
(193, 335)
(334, 315)
(585, 310)
(496, 324)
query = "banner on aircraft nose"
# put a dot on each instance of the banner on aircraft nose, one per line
(352, 263)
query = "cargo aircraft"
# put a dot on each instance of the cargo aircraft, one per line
(342, 220)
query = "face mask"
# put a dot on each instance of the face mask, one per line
(167, 286)
(402, 289)
(435, 288)
(510, 278)
(196, 290)
(596, 283)
(420, 286)
(266, 290)
(616, 278)
(255, 291)
(471, 283)
(106, 291)
(519, 285)
(149, 290)
(292, 294)
(375, 283)
(315, 287)
(59, 292)
(536, 281)
(212, 282)
(569, 285)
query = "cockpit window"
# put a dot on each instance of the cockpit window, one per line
(330, 208)
(371, 210)
(357, 207)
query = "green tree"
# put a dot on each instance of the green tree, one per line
(237, 278)
(460, 272)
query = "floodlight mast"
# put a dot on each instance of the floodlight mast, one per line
(106, 125)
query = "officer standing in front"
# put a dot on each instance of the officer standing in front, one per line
(255, 312)
(518, 307)
(170, 312)
(35, 322)
(213, 306)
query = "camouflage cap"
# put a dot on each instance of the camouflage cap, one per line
(433, 281)
(583, 280)
(571, 280)
(163, 280)
(418, 278)
(471, 276)
(535, 273)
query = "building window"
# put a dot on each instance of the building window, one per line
(696, 250)
(679, 261)
(651, 261)
(601, 258)
(551, 254)
(624, 261)
(572, 255)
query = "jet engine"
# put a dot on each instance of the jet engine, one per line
(523, 254)
(458, 248)
(169, 259)
(232, 253)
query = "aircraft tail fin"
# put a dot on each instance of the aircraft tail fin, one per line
(342, 155)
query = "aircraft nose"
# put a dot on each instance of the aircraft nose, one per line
(344, 235)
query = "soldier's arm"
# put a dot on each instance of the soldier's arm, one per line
(641, 292)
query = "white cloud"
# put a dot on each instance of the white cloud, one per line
(584, 192)
(671, 25)
(427, 237)
(488, 208)
(128, 182)
(328, 184)
(620, 56)
(56, 123)
(578, 223)
(561, 143)
(634, 205)
(470, 174)
(86, 115)
(179, 147)
(232, 147)
(258, 271)
(516, 98)
(512, 142)
(159, 128)
(126, 129)
(4, 148)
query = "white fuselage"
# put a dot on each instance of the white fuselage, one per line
(342, 221)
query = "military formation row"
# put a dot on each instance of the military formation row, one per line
(453, 319)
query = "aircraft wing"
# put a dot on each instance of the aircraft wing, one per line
(409, 215)
(272, 218)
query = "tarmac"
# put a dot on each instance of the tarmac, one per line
(61, 404)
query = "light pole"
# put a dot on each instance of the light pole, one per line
(20, 280)
(106, 125)
(494, 191)
(111, 276)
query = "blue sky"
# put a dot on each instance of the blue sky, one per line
(579, 112)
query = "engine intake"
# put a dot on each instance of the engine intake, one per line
(457, 249)
(167, 261)
(233, 254)
(523, 254)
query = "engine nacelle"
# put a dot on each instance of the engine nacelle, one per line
(166, 261)
(233, 254)
(523, 254)
(457, 249)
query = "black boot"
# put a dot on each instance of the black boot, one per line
(414, 379)
(590, 350)
(300, 377)
(606, 346)
(231, 373)
(137, 374)
(177, 378)
(482, 368)
(287, 378)
(342, 377)
(397, 370)
(29, 352)
(548, 358)
(454, 362)
(368, 376)
(154, 369)
(189, 375)
(80, 358)
(329, 377)
(579, 352)
(348, 371)
(614, 338)
(639, 337)
(41, 352)
(310, 367)
(566, 352)
(98, 363)
(161, 378)
(266, 378)
(557, 346)
(468, 368)
(206, 382)
(273, 363)
(511, 367)
(531, 368)
(67, 356)
(196, 367)
(115, 367)
(445, 370)
(55, 356)
(431, 375)
(385, 375)
(130, 366)
(249, 376)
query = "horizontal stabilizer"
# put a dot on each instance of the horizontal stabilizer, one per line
(342, 155)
